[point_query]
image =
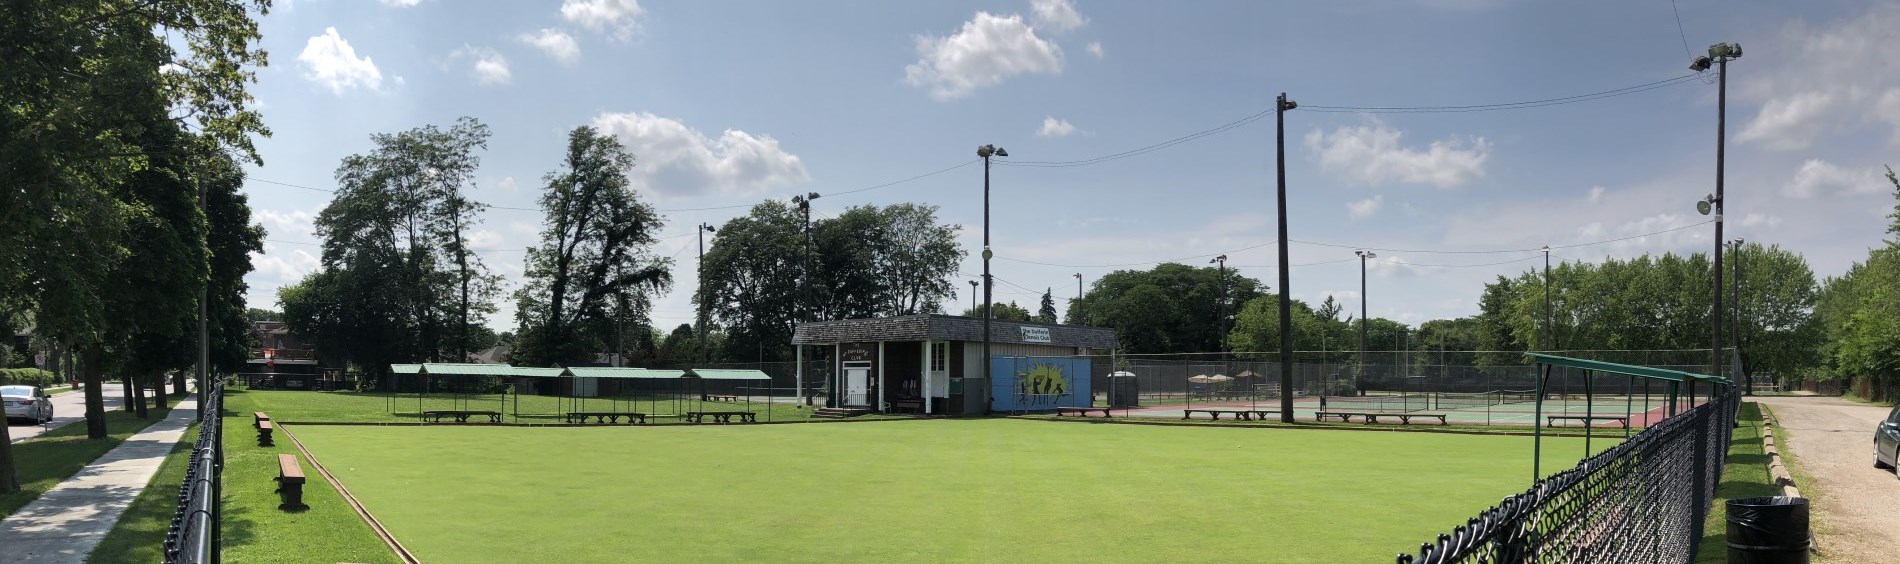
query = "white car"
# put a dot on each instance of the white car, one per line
(26, 402)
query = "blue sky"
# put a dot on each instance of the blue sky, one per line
(728, 103)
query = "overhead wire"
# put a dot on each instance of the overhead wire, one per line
(1506, 105)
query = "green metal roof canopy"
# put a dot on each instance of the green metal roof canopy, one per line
(1627, 369)
(715, 374)
(405, 368)
(474, 369)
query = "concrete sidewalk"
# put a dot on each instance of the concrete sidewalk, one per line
(69, 520)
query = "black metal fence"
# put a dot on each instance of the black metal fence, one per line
(193, 536)
(1643, 500)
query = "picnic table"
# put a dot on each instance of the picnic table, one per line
(1551, 420)
(1239, 414)
(721, 417)
(1370, 417)
(1081, 411)
(461, 416)
(609, 417)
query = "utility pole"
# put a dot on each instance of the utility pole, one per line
(1280, 106)
(1363, 255)
(204, 334)
(1078, 301)
(1220, 300)
(804, 206)
(1735, 321)
(705, 228)
(1545, 346)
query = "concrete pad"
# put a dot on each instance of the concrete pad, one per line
(66, 523)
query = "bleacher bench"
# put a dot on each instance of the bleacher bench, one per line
(1551, 420)
(721, 417)
(262, 423)
(461, 416)
(290, 483)
(1081, 411)
(718, 397)
(1370, 417)
(1239, 414)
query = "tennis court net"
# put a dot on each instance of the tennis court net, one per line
(1459, 400)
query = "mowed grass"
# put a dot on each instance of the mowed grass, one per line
(1745, 475)
(378, 407)
(46, 460)
(985, 490)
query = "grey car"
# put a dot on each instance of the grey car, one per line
(1887, 441)
(26, 402)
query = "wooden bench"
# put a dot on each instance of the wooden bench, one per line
(908, 405)
(721, 417)
(1239, 414)
(461, 416)
(717, 397)
(1370, 417)
(1551, 420)
(263, 425)
(1081, 411)
(290, 483)
(609, 417)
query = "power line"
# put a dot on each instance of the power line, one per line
(1506, 105)
(1136, 263)
(1141, 150)
(1679, 32)
(1397, 261)
(1501, 251)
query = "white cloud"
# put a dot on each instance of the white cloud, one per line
(284, 266)
(986, 51)
(678, 160)
(1057, 16)
(1821, 178)
(488, 66)
(1364, 208)
(1759, 219)
(1596, 195)
(1371, 154)
(619, 18)
(1095, 48)
(296, 225)
(1052, 127)
(1788, 123)
(330, 61)
(555, 43)
(402, 3)
(1888, 108)
(506, 184)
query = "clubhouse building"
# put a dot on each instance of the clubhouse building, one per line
(932, 364)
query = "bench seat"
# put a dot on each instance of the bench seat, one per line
(1551, 420)
(461, 416)
(1239, 414)
(290, 481)
(609, 417)
(1081, 411)
(1370, 417)
(721, 417)
(264, 429)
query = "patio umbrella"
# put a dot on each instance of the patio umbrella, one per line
(1202, 379)
(1218, 378)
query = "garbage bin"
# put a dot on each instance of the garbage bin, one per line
(1768, 530)
(1123, 391)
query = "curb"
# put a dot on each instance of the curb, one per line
(1777, 466)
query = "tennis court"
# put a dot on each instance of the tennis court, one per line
(1498, 407)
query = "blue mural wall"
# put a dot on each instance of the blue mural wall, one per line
(1039, 383)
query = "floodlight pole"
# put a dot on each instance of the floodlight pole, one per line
(1719, 55)
(986, 152)
(973, 285)
(1363, 255)
(1280, 106)
(1220, 340)
(704, 228)
(1546, 345)
(1078, 300)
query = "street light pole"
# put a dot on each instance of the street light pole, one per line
(1546, 344)
(1220, 300)
(1363, 255)
(1078, 300)
(973, 310)
(1280, 106)
(704, 228)
(986, 152)
(1719, 54)
(804, 269)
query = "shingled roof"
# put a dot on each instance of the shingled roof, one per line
(945, 328)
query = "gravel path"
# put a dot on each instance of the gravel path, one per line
(1857, 506)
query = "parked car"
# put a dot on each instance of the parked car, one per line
(27, 403)
(1887, 441)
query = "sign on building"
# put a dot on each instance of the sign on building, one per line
(1035, 334)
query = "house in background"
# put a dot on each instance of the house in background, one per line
(282, 360)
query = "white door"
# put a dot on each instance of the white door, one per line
(857, 386)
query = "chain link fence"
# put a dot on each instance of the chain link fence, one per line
(1643, 500)
(193, 536)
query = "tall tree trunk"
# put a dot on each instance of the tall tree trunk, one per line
(134, 394)
(95, 392)
(178, 384)
(158, 390)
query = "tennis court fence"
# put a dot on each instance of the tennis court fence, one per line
(1643, 500)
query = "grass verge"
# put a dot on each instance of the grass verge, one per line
(255, 530)
(1744, 475)
(139, 535)
(375, 407)
(44, 461)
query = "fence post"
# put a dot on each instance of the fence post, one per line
(1700, 482)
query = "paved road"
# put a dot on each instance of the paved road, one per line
(1858, 506)
(67, 408)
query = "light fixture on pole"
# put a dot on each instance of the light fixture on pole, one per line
(1280, 106)
(985, 152)
(973, 310)
(1719, 56)
(1220, 300)
(1363, 257)
(832, 399)
(1078, 300)
(704, 228)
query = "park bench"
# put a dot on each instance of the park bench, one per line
(1081, 411)
(908, 405)
(1551, 420)
(1239, 414)
(263, 424)
(461, 416)
(1370, 417)
(605, 417)
(718, 397)
(290, 483)
(721, 417)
